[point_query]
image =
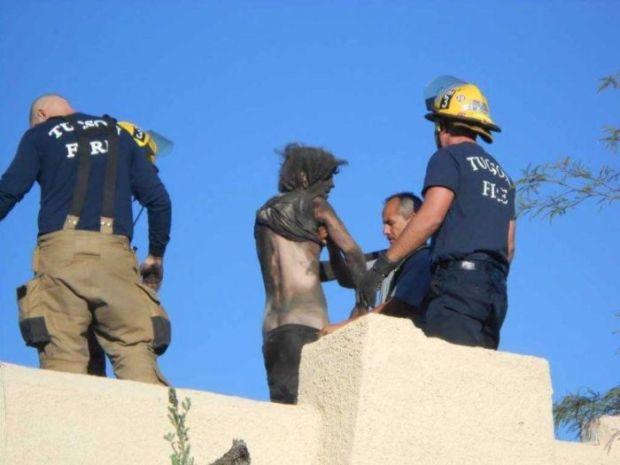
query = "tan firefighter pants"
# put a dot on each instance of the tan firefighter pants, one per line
(86, 279)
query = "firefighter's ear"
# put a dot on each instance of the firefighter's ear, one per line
(40, 116)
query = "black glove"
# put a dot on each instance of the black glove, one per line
(372, 279)
(152, 275)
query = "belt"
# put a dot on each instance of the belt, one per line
(469, 265)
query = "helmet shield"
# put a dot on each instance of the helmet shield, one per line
(436, 86)
(164, 145)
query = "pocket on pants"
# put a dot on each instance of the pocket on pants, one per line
(32, 314)
(468, 293)
(162, 329)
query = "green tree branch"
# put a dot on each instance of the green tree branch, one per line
(552, 189)
(578, 411)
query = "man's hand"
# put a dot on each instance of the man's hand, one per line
(331, 328)
(152, 272)
(323, 234)
(356, 313)
(367, 290)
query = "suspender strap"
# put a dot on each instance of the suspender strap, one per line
(84, 137)
(109, 183)
(83, 171)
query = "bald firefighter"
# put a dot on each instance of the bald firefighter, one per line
(469, 212)
(87, 282)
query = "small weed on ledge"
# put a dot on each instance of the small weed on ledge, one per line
(179, 438)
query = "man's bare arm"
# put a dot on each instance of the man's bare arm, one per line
(393, 307)
(512, 232)
(341, 239)
(353, 256)
(336, 268)
(327, 272)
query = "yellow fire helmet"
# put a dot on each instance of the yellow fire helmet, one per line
(156, 143)
(464, 105)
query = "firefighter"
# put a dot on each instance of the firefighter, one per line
(86, 273)
(469, 214)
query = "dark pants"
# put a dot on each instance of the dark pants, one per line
(467, 307)
(416, 315)
(282, 353)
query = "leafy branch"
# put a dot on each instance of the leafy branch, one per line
(571, 183)
(607, 82)
(579, 411)
(614, 438)
(179, 438)
(612, 138)
(552, 189)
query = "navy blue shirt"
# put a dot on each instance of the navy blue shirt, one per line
(413, 278)
(484, 203)
(47, 154)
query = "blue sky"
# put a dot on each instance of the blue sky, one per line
(230, 82)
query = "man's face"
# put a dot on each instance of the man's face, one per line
(326, 186)
(393, 221)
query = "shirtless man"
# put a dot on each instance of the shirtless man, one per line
(288, 246)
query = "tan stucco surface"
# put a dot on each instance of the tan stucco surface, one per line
(375, 392)
(606, 432)
(572, 453)
(61, 419)
(429, 401)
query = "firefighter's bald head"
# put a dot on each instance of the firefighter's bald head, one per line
(47, 106)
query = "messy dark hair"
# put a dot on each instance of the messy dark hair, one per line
(317, 164)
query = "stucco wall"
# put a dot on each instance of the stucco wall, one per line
(424, 401)
(606, 432)
(571, 453)
(61, 419)
(375, 392)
